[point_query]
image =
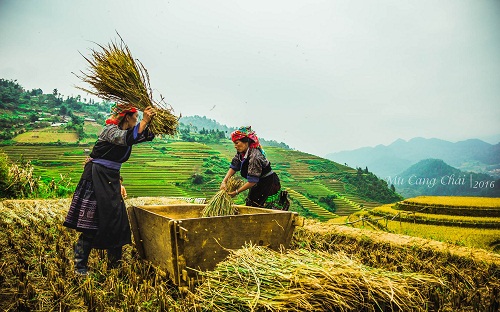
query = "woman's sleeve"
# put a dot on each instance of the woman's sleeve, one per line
(133, 136)
(114, 135)
(235, 163)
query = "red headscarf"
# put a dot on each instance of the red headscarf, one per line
(246, 132)
(118, 111)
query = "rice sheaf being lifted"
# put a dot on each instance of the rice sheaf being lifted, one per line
(116, 77)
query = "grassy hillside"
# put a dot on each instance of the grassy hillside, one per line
(192, 169)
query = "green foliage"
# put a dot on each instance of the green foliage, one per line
(55, 188)
(216, 165)
(274, 143)
(17, 181)
(285, 177)
(20, 181)
(203, 136)
(192, 167)
(301, 209)
(197, 179)
(4, 174)
(23, 110)
(321, 165)
(369, 186)
(328, 200)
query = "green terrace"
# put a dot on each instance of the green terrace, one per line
(192, 169)
(315, 210)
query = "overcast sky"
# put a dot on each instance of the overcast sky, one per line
(321, 76)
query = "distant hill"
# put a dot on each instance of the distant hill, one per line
(435, 177)
(470, 155)
(197, 123)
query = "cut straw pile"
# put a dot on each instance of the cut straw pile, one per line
(256, 278)
(115, 76)
(221, 204)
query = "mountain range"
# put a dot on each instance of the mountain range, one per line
(433, 177)
(471, 155)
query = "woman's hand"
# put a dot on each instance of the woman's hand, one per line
(232, 194)
(229, 174)
(87, 160)
(223, 185)
(148, 114)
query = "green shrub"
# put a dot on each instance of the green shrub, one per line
(197, 178)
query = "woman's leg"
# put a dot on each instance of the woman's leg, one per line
(114, 257)
(82, 249)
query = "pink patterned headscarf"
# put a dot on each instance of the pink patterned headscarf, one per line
(247, 132)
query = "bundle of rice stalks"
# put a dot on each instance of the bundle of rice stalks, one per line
(255, 278)
(115, 76)
(221, 204)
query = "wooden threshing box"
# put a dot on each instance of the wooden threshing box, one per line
(178, 239)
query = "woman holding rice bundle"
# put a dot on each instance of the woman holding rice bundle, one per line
(262, 181)
(97, 209)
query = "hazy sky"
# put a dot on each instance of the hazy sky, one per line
(321, 76)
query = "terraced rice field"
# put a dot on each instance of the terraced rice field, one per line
(50, 161)
(167, 168)
(344, 207)
(168, 173)
(322, 213)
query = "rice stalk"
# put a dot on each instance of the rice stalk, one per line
(21, 180)
(221, 204)
(116, 76)
(256, 278)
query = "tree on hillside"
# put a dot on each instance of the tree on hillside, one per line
(329, 200)
(63, 110)
(10, 91)
(369, 186)
(36, 92)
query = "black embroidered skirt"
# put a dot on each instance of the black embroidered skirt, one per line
(82, 214)
(98, 206)
(266, 187)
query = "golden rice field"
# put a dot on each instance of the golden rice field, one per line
(328, 267)
(455, 201)
(464, 221)
(486, 239)
(426, 217)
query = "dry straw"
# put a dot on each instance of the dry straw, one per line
(115, 76)
(256, 278)
(221, 204)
